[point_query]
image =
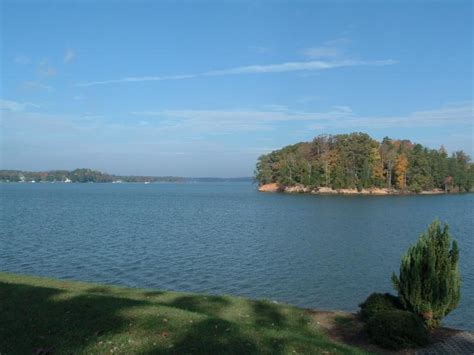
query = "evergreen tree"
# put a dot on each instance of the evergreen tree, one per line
(429, 282)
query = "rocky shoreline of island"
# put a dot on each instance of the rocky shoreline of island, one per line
(375, 191)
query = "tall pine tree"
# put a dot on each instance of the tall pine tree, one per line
(429, 282)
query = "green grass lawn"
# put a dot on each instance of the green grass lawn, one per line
(42, 316)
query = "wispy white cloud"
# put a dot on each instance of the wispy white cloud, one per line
(345, 109)
(336, 118)
(139, 79)
(16, 106)
(69, 56)
(329, 49)
(210, 121)
(213, 122)
(35, 85)
(442, 116)
(254, 69)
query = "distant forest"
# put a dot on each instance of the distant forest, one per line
(90, 175)
(77, 175)
(357, 161)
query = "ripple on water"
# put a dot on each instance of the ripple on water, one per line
(312, 251)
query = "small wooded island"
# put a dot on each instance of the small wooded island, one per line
(358, 164)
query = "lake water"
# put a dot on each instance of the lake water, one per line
(326, 252)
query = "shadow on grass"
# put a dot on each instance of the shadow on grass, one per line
(99, 289)
(153, 293)
(208, 305)
(268, 315)
(45, 320)
(350, 329)
(212, 336)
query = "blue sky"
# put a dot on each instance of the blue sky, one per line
(204, 88)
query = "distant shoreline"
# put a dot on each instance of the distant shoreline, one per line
(183, 181)
(85, 175)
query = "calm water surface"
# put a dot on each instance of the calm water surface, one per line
(326, 252)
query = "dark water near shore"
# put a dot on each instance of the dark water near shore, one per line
(326, 252)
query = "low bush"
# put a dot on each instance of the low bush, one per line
(379, 302)
(397, 330)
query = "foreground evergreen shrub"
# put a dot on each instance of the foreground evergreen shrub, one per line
(429, 282)
(396, 330)
(378, 302)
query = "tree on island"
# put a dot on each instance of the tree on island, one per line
(357, 161)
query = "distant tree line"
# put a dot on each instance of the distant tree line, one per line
(77, 175)
(357, 161)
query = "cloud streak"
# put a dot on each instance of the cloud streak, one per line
(15, 106)
(336, 118)
(443, 116)
(253, 69)
(35, 85)
(171, 122)
(329, 49)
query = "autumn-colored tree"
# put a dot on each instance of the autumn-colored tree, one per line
(401, 166)
(377, 164)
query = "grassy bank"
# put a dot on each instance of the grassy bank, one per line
(41, 316)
